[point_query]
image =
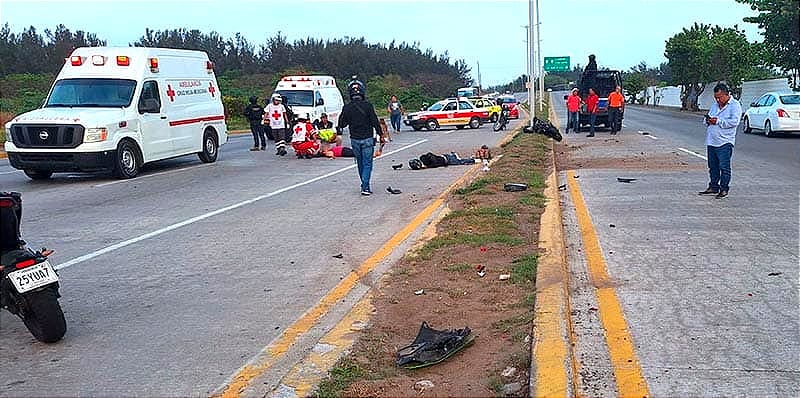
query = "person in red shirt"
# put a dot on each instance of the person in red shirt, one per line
(573, 107)
(616, 106)
(591, 106)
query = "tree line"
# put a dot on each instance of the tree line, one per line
(246, 68)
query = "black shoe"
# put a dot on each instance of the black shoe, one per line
(708, 191)
(721, 194)
(590, 135)
(393, 191)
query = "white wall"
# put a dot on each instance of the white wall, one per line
(670, 96)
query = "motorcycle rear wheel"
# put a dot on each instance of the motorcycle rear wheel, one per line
(43, 316)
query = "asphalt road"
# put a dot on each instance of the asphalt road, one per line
(174, 280)
(708, 287)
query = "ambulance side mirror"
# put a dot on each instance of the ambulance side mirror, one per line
(149, 105)
(320, 101)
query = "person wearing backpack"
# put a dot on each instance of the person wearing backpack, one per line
(359, 115)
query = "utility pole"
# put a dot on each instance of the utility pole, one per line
(539, 57)
(527, 62)
(480, 90)
(531, 90)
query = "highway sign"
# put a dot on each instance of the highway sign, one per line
(556, 64)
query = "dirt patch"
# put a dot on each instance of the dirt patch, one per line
(486, 226)
(569, 157)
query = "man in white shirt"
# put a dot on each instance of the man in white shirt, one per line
(276, 116)
(721, 121)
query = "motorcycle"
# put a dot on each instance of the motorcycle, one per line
(28, 282)
(502, 120)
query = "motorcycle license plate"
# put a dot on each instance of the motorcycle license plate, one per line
(32, 277)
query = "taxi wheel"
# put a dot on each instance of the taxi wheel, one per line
(474, 123)
(432, 124)
(747, 128)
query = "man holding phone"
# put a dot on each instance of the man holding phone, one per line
(721, 121)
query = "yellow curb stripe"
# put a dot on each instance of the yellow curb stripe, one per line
(307, 374)
(248, 373)
(550, 349)
(627, 370)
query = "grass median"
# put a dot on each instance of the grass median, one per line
(485, 226)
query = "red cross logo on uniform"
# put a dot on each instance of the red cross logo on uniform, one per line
(276, 115)
(298, 129)
(211, 88)
(170, 93)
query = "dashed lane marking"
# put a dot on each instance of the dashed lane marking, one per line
(693, 153)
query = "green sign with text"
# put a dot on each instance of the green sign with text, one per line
(556, 64)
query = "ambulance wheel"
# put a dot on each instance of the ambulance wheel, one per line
(432, 124)
(127, 161)
(210, 147)
(38, 174)
(474, 123)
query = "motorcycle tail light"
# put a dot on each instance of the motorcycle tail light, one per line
(26, 263)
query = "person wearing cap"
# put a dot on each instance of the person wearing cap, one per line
(276, 115)
(573, 107)
(328, 136)
(304, 140)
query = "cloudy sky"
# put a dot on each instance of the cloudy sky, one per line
(620, 32)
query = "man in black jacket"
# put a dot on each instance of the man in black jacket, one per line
(360, 116)
(254, 114)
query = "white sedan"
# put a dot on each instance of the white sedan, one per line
(774, 113)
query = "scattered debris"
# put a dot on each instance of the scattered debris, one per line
(340, 255)
(433, 346)
(397, 166)
(612, 225)
(393, 191)
(322, 348)
(509, 371)
(562, 187)
(576, 176)
(483, 249)
(515, 187)
(626, 180)
(420, 292)
(423, 385)
(645, 133)
(505, 277)
(774, 273)
(481, 270)
(358, 326)
(512, 388)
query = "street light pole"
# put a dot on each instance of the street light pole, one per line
(539, 57)
(531, 90)
(527, 61)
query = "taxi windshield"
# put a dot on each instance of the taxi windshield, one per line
(436, 107)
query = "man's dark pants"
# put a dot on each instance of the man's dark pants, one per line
(719, 166)
(258, 134)
(615, 118)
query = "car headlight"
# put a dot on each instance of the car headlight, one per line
(95, 134)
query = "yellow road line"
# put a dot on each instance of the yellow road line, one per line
(627, 370)
(551, 312)
(249, 372)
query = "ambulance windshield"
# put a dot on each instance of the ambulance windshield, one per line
(96, 93)
(298, 97)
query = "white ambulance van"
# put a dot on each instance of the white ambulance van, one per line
(117, 108)
(314, 95)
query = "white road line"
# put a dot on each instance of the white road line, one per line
(201, 217)
(693, 153)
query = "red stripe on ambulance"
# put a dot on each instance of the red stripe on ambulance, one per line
(174, 123)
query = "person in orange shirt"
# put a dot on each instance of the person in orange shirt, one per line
(616, 106)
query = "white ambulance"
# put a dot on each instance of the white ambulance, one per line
(313, 95)
(117, 108)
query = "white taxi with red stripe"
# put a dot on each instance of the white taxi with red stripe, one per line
(117, 108)
(459, 112)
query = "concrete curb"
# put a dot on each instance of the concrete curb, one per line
(552, 363)
(303, 377)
